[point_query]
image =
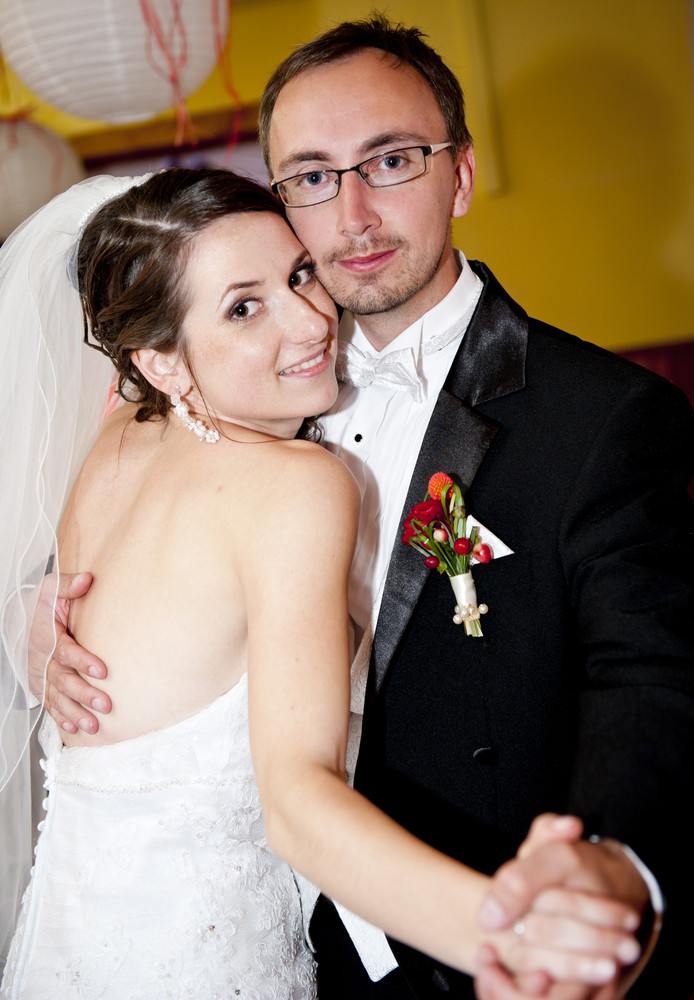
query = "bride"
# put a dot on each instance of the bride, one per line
(220, 540)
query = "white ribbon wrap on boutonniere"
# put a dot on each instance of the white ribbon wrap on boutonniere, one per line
(467, 610)
(450, 540)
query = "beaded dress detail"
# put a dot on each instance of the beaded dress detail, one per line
(152, 878)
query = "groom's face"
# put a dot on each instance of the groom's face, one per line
(375, 248)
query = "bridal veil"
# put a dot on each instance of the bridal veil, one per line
(53, 394)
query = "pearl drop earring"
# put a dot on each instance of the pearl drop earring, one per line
(201, 431)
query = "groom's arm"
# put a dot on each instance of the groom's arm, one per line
(627, 556)
(66, 693)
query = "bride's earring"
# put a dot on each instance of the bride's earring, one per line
(201, 431)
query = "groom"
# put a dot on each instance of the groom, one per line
(579, 697)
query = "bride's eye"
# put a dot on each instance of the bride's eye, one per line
(303, 276)
(244, 309)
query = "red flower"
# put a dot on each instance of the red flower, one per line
(409, 532)
(426, 512)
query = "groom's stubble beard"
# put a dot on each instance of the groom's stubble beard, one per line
(370, 294)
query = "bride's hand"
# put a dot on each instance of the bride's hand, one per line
(572, 936)
(494, 982)
(575, 928)
(67, 692)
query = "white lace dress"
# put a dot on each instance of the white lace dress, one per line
(152, 878)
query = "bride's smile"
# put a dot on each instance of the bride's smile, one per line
(307, 366)
(259, 329)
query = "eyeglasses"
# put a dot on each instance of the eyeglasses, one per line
(397, 166)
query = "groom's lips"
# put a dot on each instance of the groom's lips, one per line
(370, 262)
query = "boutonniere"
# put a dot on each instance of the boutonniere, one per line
(441, 531)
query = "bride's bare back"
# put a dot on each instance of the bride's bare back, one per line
(160, 519)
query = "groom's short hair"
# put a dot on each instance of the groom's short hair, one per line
(405, 45)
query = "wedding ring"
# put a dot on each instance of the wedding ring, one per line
(519, 928)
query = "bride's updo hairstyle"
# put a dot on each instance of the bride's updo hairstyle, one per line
(131, 260)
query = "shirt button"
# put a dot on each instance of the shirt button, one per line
(357, 438)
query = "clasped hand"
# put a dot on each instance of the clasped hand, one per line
(567, 910)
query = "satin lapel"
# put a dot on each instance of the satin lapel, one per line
(490, 363)
(491, 359)
(456, 441)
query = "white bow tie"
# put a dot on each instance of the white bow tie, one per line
(398, 368)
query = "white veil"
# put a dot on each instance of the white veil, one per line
(53, 393)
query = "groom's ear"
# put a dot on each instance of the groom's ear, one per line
(163, 371)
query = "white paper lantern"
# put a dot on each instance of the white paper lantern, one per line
(35, 165)
(112, 60)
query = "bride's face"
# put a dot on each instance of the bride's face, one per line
(260, 329)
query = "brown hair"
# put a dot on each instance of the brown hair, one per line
(131, 260)
(406, 45)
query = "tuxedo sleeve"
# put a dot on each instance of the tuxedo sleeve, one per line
(628, 556)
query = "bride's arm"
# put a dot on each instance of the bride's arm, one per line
(295, 564)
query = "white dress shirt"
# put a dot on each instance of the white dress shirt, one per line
(377, 431)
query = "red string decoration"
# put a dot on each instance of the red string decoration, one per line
(222, 53)
(173, 48)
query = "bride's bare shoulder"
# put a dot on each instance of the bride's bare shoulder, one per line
(305, 505)
(298, 491)
(303, 469)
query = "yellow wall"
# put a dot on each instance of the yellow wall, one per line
(584, 125)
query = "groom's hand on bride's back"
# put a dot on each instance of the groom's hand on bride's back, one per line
(58, 666)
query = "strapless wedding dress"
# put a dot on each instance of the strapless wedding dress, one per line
(152, 878)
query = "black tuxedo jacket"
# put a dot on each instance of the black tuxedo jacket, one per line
(580, 696)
